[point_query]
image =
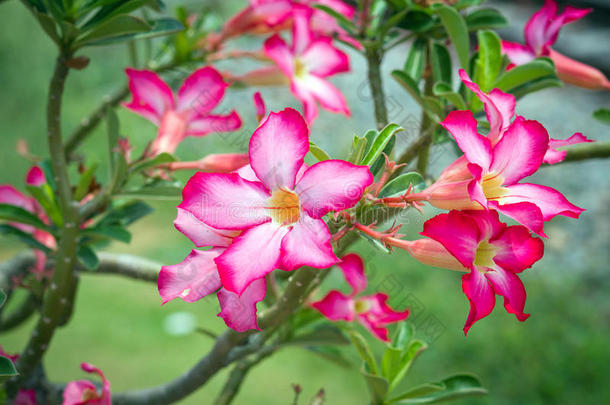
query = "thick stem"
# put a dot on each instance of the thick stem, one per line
(594, 150)
(56, 299)
(374, 57)
(427, 125)
(20, 314)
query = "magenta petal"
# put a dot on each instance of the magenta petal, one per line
(536, 27)
(239, 312)
(379, 311)
(105, 398)
(488, 222)
(301, 32)
(259, 105)
(475, 188)
(277, 50)
(553, 155)
(151, 97)
(353, 271)
(463, 126)
(303, 94)
(336, 306)
(520, 151)
(323, 59)
(380, 331)
(225, 201)
(253, 255)
(308, 244)
(569, 15)
(550, 201)
(517, 249)
(509, 286)
(192, 279)
(480, 295)
(25, 397)
(35, 177)
(332, 185)
(201, 92)
(518, 54)
(200, 233)
(10, 195)
(278, 147)
(457, 232)
(526, 213)
(213, 123)
(73, 393)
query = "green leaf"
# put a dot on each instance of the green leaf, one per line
(125, 214)
(159, 27)
(376, 243)
(421, 390)
(433, 108)
(380, 162)
(364, 351)
(152, 162)
(7, 369)
(107, 12)
(602, 115)
(541, 83)
(358, 149)
(399, 185)
(405, 361)
(525, 73)
(485, 18)
(45, 197)
(489, 61)
(112, 232)
(87, 257)
(325, 334)
(318, 152)
(416, 59)
(2, 298)
(85, 182)
(47, 169)
(13, 213)
(408, 84)
(440, 59)
(417, 21)
(116, 27)
(453, 387)
(48, 26)
(380, 143)
(24, 237)
(378, 387)
(456, 30)
(445, 91)
(343, 21)
(403, 336)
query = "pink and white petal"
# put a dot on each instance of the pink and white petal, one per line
(458, 233)
(200, 233)
(239, 312)
(35, 177)
(253, 255)
(75, 391)
(568, 15)
(278, 147)
(463, 127)
(247, 173)
(277, 50)
(10, 195)
(379, 312)
(526, 213)
(517, 53)
(151, 96)
(377, 329)
(301, 30)
(304, 95)
(259, 106)
(553, 155)
(201, 92)
(352, 267)
(517, 249)
(191, 280)
(536, 27)
(322, 59)
(520, 151)
(332, 185)
(225, 201)
(325, 93)
(336, 306)
(308, 244)
(480, 296)
(475, 186)
(550, 201)
(214, 123)
(509, 286)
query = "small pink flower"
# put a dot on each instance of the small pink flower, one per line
(188, 115)
(83, 392)
(35, 177)
(491, 253)
(542, 31)
(307, 63)
(371, 311)
(25, 397)
(277, 209)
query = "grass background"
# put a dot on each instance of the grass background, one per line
(560, 355)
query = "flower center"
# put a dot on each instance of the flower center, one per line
(485, 255)
(362, 306)
(300, 70)
(171, 131)
(89, 394)
(284, 207)
(492, 186)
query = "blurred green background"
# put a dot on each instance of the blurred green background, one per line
(559, 355)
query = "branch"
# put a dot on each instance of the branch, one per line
(593, 150)
(373, 58)
(127, 265)
(20, 314)
(14, 267)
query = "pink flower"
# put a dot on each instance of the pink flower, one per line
(554, 155)
(85, 392)
(189, 115)
(307, 63)
(491, 253)
(371, 311)
(541, 31)
(279, 210)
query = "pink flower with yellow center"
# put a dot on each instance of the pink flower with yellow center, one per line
(278, 210)
(190, 114)
(489, 251)
(542, 31)
(371, 311)
(83, 392)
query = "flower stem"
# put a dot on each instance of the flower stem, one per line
(374, 56)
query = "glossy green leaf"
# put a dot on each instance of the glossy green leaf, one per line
(126, 214)
(489, 61)
(445, 91)
(485, 18)
(414, 349)
(408, 84)
(47, 169)
(380, 162)
(45, 197)
(400, 185)
(109, 11)
(457, 31)
(358, 149)
(416, 59)
(378, 387)
(417, 21)
(112, 232)
(364, 351)
(13, 213)
(420, 391)
(87, 257)
(525, 73)
(403, 335)
(533, 86)
(440, 60)
(85, 182)
(602, 115)
(7, 369)
(48, 26)
(454, 387)
(24, 237)
(115, 27)
(152, 162)
(380, 143)
(318, 152)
